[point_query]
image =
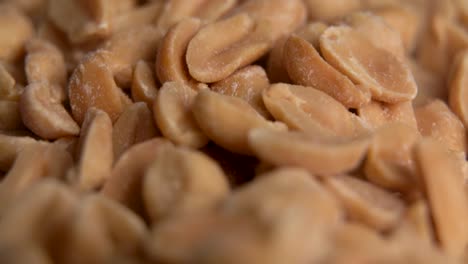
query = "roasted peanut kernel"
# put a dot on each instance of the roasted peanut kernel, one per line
(227, 120)
(69, 144)
(312, 32)
(134, 125)
(10, 146)
(365, 202)
(416, 223)
(45, 63)
(247, 83)
(38, 216)
(212, 59)
(323, 156)
(177, 10)
(101, 229)
(125, 181)
(122, 60)
(377, 114)
(137, 17)
(389, 163)
(430, 86)
(377, 31)
(95, 148)
(144, 87)
(310, 110)
(173, 113)
(170, 60)
(446, 195)
(8, 90)
(44, 114)
(34, 163)
(436, 120)
(458, 87)
(15, 30)
(292, 209)
(92, 85)
(388, 78)
(211, 10)
(306, 67)
(10, 118)
(182, 181)
(330, 10)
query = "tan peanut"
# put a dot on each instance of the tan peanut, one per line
(69, 144)
(458, 88)
(170, 61)
(95, 151)
(306, 67)
(416, 223)
(45, 63)
(387, 77)
(92, 85)
(436, 120)
(389, 163)
(227, 120)
(247, 83)
(377, 114)
(137, 17)
(124, 184)
(10, 118)
(311, 111)
(365, 202)
(212, 59)
(10, 146)
(330, 10)
(173, 113)
(323, 156)
(430, 86)
(134, 125)
(442, 180)
(101, 229)
(8, 90)
(42, 111)
(181, 181)
(15, 29)
(144, 88)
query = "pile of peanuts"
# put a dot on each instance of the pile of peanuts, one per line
(233, 131)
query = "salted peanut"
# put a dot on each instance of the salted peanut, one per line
(8, 90)
(137, 17)
(10, 118)
(330, 10)
(170, 60)
(181, 181)
(172, 111)
(377, 114)
(33, 164)
(144, 41)
(45, 63)
(312, 32)
(437, 121)
(406, 20)
(388, 78)
(430, 86)
(458, 88)
(69, 144)
(124, 184)
(85, 21)
(212, 59)
(144, 87)
(227, 120)
(416, 223)
(279, 18)
(389, 162)
(442, 180)
(10, 146)
(134, 125)
(311, 111)
(16, 28)
(38, 216)
(100, 229)
(44, 114)
(365, 202)
(92, 85)
(95, 151)
(306, 67)
(247, 83)
(323, 156)
(377, 31)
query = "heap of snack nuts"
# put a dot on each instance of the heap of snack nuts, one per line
(233, 131)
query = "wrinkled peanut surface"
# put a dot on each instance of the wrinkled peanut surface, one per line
(233, 131)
